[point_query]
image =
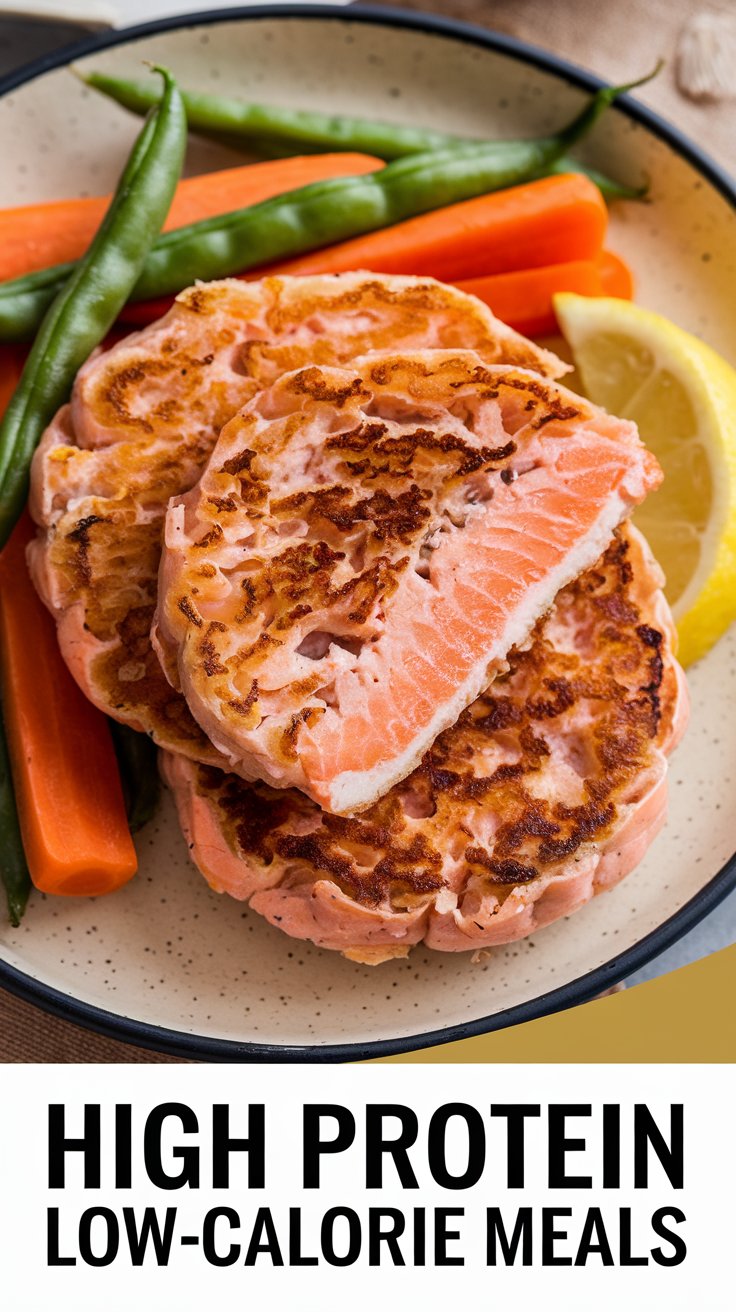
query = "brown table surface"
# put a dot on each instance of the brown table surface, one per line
(618, 40)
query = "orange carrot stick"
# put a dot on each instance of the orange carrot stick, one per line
(616, 276)
(524, 299)
(36, 236)
(65, 775)
(552, 221)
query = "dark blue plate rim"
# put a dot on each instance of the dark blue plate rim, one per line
(179, 1043)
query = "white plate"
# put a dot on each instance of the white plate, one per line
(170, 964)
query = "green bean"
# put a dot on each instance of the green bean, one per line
(90, 301)
(274, 130)
(608, 187)
(326, 212)
(13, 868)
(138, 765)
(24, 301)
(240, 123)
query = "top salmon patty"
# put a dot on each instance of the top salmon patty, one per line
(142, 423)
(364, 548)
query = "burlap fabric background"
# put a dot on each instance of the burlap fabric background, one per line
(618, 40)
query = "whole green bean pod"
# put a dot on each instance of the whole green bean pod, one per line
(24, 301)
(13, 868)
(322, 213)
(274, 130)
(241, 124)
(91, 299)
(138, 764)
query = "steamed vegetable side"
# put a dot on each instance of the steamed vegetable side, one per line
(65, 781)
(525, 298)
(323, 213)
(13, 868)
(270, 129)
(14, 875)
(273, 129)
(496, 240)
(91, 300)
(35, 236)
(329, 212)
(67, 787)
(544, 222)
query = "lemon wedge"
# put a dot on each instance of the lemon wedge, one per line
(682, 396)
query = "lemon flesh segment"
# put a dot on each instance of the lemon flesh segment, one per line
(682, 396)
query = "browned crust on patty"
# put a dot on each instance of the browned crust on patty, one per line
(609, 697)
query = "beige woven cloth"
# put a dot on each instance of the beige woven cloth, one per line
(618, 40)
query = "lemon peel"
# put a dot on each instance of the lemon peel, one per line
(682, 395)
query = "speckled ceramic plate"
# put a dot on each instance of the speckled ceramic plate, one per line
(166, 962)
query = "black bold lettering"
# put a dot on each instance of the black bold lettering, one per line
(223, 1146)
(123, 1153)
(671, 1156)
(209, 1247)
(611, 1145)
(376, 1144)
(189, 1157)
(679, 1246)
(390, 1236)
(420, 1236)
(315, 1145)
(550, 1234)
(138, 1239)
(560, 1145)
(264, 1239)
(295, 1240)
(516, 1114)
(328, 1236)
(59, 1145)
(437, 1145)
(625, 1255)
(594, 1239)
(443, 1236)
(112, 1243)
(496, 1237)
(53, 1257)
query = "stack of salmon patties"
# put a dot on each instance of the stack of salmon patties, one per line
(361, 566)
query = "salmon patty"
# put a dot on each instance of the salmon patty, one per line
(142, 422)
(363, 549)
(549, 789)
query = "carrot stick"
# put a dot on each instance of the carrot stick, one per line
(36, 236)
(524, 299)
(552, 221)
(616, 276)
(65, 775)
